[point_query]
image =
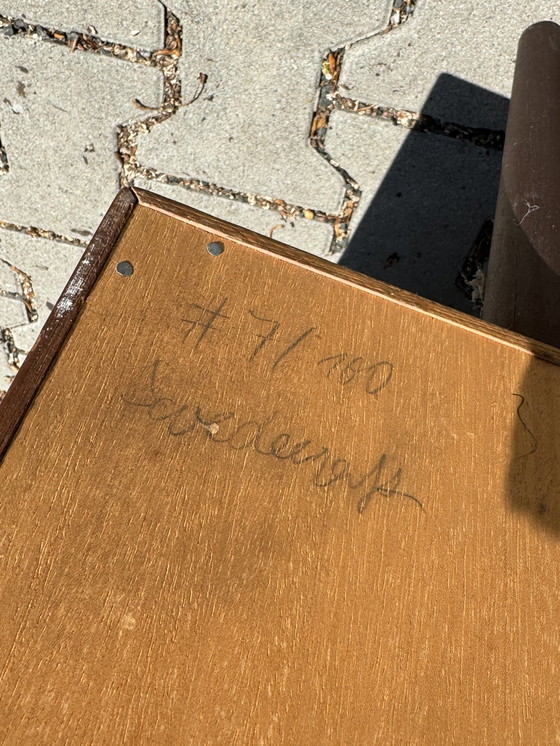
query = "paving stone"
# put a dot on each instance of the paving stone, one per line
(249, 130)
(136, 23)
(59, 118)
(463, 41)
(307, 235)
(425, 199)
(49, 264)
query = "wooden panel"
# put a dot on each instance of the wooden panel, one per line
(260, 499)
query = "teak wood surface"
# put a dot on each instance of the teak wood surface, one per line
(256, 498)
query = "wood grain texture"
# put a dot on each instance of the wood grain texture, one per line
(40, 358)
(259, 500)
(355, 279)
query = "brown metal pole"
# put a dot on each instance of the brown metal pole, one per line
(523, 282)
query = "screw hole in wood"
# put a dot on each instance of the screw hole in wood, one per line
(215, 248)
(125, 269)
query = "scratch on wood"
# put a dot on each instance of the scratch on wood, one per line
(525, 427)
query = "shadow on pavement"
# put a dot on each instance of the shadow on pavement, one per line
(435, 200)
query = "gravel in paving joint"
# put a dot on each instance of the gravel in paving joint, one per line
(77, 41)
(331, 66)
(479, 136)
(31, 230)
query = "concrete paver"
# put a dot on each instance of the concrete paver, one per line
(249, 130)
(425, 199)
(137, 23)
(59, 112)
(468, 40)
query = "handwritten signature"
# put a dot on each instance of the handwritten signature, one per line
(265, 437)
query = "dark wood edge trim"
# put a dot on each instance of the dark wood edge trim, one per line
(44, 352)
(322, 266)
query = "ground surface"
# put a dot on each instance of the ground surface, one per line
(365, 131)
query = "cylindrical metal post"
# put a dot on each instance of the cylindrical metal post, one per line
(523, 283)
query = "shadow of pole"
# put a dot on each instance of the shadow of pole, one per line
(438, 194)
